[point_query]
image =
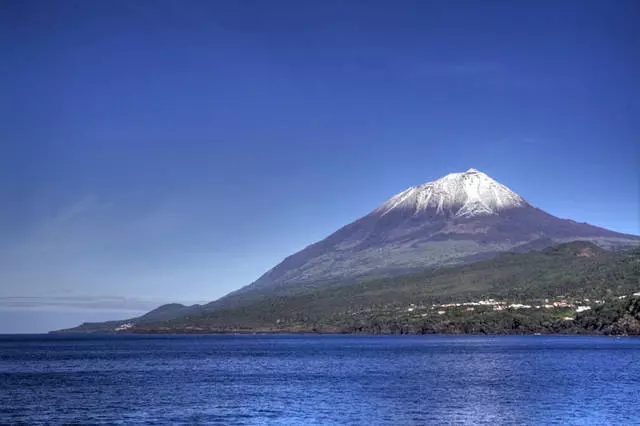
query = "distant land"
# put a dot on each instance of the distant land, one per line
(499, 264)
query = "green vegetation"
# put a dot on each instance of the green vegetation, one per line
(574, 271)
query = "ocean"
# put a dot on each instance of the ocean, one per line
(319, 380)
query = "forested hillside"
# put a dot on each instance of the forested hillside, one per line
(572, 275)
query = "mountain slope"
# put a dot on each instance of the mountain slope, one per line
(163, 313)
(459, 218)
(579, 270)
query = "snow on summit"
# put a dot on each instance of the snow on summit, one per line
(468, 194)
(419, 228)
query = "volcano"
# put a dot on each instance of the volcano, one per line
(459, 218)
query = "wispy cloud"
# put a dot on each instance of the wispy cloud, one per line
(82, 206)
(79, 304)
(93, 243)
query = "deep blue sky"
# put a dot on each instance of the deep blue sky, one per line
(176, 150)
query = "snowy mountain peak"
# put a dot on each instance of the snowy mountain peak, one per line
(468, 194)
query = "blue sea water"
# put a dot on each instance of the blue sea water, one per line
(360, 380)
